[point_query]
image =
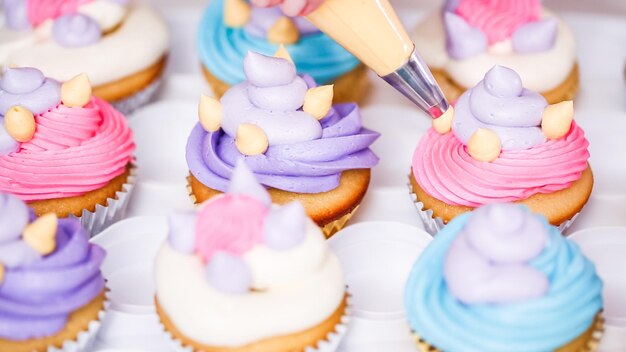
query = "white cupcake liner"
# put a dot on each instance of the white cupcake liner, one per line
(115, 209)
(85, 339)
(142, 97)
(330, 344)
(433, 224)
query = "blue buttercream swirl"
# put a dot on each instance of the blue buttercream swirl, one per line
(539, 324)
(222, 50)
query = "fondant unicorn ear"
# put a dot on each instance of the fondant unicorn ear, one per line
(210, 113)
(229, 273)
(1, 273)
(14, 217)
(237, 13)
(285, 227)
(76, 92)
(41, 234)
(535, 37)
(484, 145)
(463, 41)
(283, 53)
(20, 124)
(182, 231)
(318, 101)
(251, 139)
(284, 30)
(243, 182)
(443, 124)
(557, 119)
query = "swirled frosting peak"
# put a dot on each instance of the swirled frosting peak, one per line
(474, 27)
(502, 279)
(500, 103)
(231, 225)
(50, 270)
(292, 136)
(488, 262)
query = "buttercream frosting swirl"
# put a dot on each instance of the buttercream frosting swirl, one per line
(528, 163)
(38, 291)
(542, 323)
(73, 151)
(304, 155)
(222, 49)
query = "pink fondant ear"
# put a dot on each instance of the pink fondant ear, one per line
(244, 182)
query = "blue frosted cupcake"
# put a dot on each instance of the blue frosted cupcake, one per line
(502, 279)
(231, 28)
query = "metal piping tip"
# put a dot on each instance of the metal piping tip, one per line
(415, 81)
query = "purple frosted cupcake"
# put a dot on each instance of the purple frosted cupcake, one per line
(51, 287)
(299, 145)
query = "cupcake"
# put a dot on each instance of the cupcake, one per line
(502, 143)
(502, 279)
(51, 289)
(231, 28)
(61, 38)
(462, 41)
(242, 275)
(299, 145)
(62, 150)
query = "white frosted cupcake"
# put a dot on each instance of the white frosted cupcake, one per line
(242, 275)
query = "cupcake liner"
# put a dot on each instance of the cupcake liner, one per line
(140, 98)
(334, 226)
(433, 224)
(115, 209)
(330, 344)
(591, 345)
(84, 340)
(328, 230)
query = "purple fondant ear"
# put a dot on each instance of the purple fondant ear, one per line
(182, 232)
(535, 37)
(243, 182)
(285, 227)
(13, 216)
(15, 15)
(229, 274)
(451, 5)
(463, 41)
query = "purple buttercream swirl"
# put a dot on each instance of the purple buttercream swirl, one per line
(501, 104)
(488, 262)
(263, 18)
(37, 296)
(305, 167)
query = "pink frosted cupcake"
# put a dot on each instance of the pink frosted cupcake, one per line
(502, 143)
(62, 150)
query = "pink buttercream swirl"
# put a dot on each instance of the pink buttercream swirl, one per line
(39, 11)
(231, 223)
(498, 19)
(444, 169)
(73, 151)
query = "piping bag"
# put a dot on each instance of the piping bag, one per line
(371, 31)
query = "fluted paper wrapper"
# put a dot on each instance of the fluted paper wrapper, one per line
(433, 224)
(139, 99)
(114, 210)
